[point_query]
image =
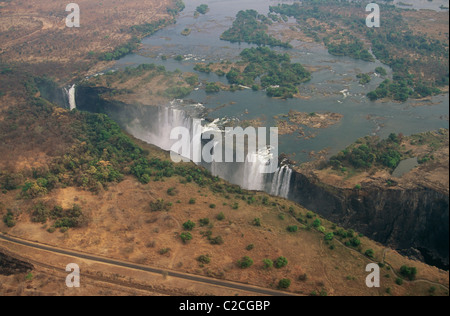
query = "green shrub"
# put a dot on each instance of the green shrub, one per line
(267, 264)
(257, 222)
(8, 219)
(204, 222)
(408, 272)
(159, 205)
(284, 283)
(292, 229)
(185, 237)
(281, 262)
(216, 240)
(355, 242)
(220, 216)
(329, 237)
(204, 259)
(370, 253)
(189, 225)
(245, 262)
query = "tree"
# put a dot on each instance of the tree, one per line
(370, 253)
(185, 237)
(281, 262)
(257, 222)
(284, 283)
(204, 259)
(408, 272)
(220, 216)
(245, 262)
(329, 237)
(189, 225)
(267, 263)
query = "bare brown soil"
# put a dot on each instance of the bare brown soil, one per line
(146, 89)
(34, 35)
(123, 227)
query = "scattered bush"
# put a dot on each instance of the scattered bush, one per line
(281, 262)
(216, 240)
(284, 283)
(204, 259)
(159, 205)
(220, 216)
(370, 253)
(329, 237)
(204, 222)
(267, 264)
(408, 272)
(185, 237)
(245, 262)
(8, 219)
(189, 225)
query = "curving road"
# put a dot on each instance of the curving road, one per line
(185, 276)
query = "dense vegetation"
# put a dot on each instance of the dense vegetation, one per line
(100, 154)
(179, 6)
(139, 31)
(202, 9)
(271, 70)
(251, 27)
(338, 44)
(419, 62)
(370, 152)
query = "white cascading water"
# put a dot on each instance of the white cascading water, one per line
(158, 132)
(281, 182)
(72, 101)
(154, 126)
(254, 178)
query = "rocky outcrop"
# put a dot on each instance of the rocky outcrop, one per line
(400, 218)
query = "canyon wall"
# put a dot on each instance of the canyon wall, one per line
(401, 218)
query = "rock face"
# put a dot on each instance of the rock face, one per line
(400, 218)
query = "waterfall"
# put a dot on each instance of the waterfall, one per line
(281, 182)
(70, 95)
(155, 124)
(253, 178)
